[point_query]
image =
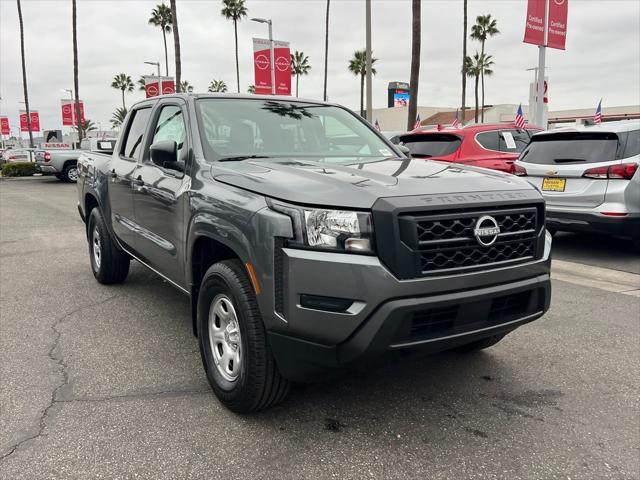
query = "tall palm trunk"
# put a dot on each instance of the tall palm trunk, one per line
(235, 31)
(415, 64)
(362, 95)
(24, 76)
(123, 105)
(464, 56)
(326, 50)
(482, 81)
(176, 43)
(74, 14)
(477, 79)
(166, 55)
(297, 79)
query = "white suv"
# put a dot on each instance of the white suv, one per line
(589, 177)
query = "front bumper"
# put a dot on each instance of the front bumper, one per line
(436, 313)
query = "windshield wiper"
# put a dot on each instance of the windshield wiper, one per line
(238, 158)
(567, 160)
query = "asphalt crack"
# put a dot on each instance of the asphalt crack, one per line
(58, 360)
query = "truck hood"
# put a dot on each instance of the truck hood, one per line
(359, 185)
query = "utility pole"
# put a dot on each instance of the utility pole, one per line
(542, 53)
(368, 52)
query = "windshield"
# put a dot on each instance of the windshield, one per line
(431, 144)
(571, 148)
(272, 128)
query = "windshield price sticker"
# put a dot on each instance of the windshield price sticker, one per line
(508, 138)
(385, 152)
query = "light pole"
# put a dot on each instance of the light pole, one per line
(157, 64)
(369, 113)
(271, 56)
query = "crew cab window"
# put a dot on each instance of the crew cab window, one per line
(272, 128)
(431, 144)
(170, 126)
(135, 131)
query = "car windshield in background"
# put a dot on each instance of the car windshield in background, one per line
(571, 148)
(432, 144)
(246, 128)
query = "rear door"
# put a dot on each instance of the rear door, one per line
(121, 176)
(160, 197)
(556, 163)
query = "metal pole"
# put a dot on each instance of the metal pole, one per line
(368, 75)
(542, 51)
(272, 61)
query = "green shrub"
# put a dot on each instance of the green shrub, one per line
(18, 169)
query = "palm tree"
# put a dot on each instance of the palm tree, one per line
(415, 64)
(186, 87)
(476, 67)
(358, 66)
(464, 58)
(88, 126)
(141, 84)
(234, 10)
(122, 82)
(217, 86)
(484, 28)
(176, 43)
(24, 75)
(326, 50)
(118, 116)
(251, 89)
(161, 17)
(299, 66)
(76, 81)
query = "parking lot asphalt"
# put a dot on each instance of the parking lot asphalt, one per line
(106, 382)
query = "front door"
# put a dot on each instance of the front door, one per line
(160, 198)
(121, 176)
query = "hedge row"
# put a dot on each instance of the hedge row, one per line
(18, 169)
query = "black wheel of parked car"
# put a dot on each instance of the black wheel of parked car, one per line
(233, 343)
(70, 173)
(480, 344)
(108, 263)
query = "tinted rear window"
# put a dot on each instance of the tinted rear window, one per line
(431, 145)
(571, 148)
(632, 148)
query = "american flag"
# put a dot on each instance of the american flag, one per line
(519, 118)
(418, 123)
(597, 118)
(377, 125)
(456, 121)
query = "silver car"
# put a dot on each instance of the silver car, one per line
(589, 177)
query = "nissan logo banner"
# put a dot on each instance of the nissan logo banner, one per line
(262, 66)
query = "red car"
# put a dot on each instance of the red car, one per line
(496, 146)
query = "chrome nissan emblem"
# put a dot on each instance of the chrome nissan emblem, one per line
(486, 231)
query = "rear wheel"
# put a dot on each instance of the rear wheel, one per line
(108, 263)
(70, 173)
(480, 344)
(233, 343)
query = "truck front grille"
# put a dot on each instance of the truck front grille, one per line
(445, 241)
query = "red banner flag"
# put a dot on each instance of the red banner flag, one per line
(535, 24)
(168, 86)
(4, 126)
(67, 112)
(558, 13)
(151, 86)
(262, 66)
(35, 121)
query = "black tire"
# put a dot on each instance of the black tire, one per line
(70, 173)
(112, 264)
(258, 384)
(480, 344)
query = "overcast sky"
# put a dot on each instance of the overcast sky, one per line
(602, 57)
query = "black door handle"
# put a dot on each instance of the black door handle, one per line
(113, 174)
(138, 182)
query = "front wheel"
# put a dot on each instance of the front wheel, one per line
(233, 343)
(108, 263)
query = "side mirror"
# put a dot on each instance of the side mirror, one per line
(164, 152)
(404, 149)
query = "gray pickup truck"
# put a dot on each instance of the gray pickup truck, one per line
(307, 242)
(62, 163)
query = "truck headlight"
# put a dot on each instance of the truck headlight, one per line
(336, 230)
